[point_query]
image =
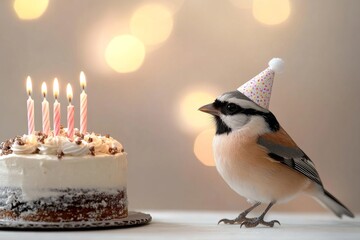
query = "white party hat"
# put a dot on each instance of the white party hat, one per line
(258, 89)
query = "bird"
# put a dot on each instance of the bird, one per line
(260, 161)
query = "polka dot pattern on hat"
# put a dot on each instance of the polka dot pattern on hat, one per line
(259, 88)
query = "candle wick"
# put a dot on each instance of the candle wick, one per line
(44, 94)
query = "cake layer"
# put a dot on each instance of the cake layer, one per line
(68, 205)
(36, 174)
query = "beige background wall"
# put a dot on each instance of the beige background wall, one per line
(213, 45)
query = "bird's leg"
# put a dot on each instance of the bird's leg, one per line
(242, 216)
(253, 222)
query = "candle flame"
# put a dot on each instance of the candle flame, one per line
(82, 80)
(69, 92)
(56, 88)
(28, 85)
(44, 89)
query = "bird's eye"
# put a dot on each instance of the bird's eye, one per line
(231, 108)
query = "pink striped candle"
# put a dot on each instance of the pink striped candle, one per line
(70, 113)
(56, 108)
(83, 104)
(45, 111)
(30, 107)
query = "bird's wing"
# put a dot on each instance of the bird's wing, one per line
(283, 149)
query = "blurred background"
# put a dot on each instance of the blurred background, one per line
(150, 64)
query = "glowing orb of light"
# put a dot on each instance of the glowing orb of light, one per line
(203, 147)
(152, 23)
(173, 6)
(30, 9)
(191, 117)
(243, 4)
(125, 53)
(271, 12)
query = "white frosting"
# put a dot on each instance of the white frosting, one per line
(102, 144)
(51, 145)
(98, 143)
(37, 174)
(30, 145)
(74, 149)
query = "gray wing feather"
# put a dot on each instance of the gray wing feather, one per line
(283, 151)
(292, 157)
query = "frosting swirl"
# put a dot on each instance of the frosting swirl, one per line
(103, 144)
(75, 149)
(97, 142)
(26, 144)
(51, 145)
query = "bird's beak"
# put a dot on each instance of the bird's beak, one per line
(209, 108)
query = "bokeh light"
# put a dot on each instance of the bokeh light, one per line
(97, 36)
(203, 147)
(190, 117)
(271, 12)
(243, 4)
(152, 23)
(173, 6)
(30, 9)
(125, 53)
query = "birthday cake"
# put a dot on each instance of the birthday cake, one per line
(57, 179)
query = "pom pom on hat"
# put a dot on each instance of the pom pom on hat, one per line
(277, 65)
(258, 89)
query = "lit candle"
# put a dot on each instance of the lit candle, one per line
(45, 111)
(70, 113)
(30, 107)
(83, 104)
(56, 108)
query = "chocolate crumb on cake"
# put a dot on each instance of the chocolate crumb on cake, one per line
(92, 150)
(60, 154)
(19, 141)
(113, 150)
(78, 141)
(5, 147)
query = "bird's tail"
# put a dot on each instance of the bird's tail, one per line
(325, 198)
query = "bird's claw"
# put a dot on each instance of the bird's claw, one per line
(241, 218)
(227, 221)
(250, 223)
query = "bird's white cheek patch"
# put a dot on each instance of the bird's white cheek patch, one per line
(258, 125)
(235, 121)
(251, 125)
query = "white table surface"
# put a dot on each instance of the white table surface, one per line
(203, 225)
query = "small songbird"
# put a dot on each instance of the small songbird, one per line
(256, 157)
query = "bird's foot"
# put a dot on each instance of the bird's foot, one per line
(253, 222)
(240, 219)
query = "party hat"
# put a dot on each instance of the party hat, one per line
(258, 89)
